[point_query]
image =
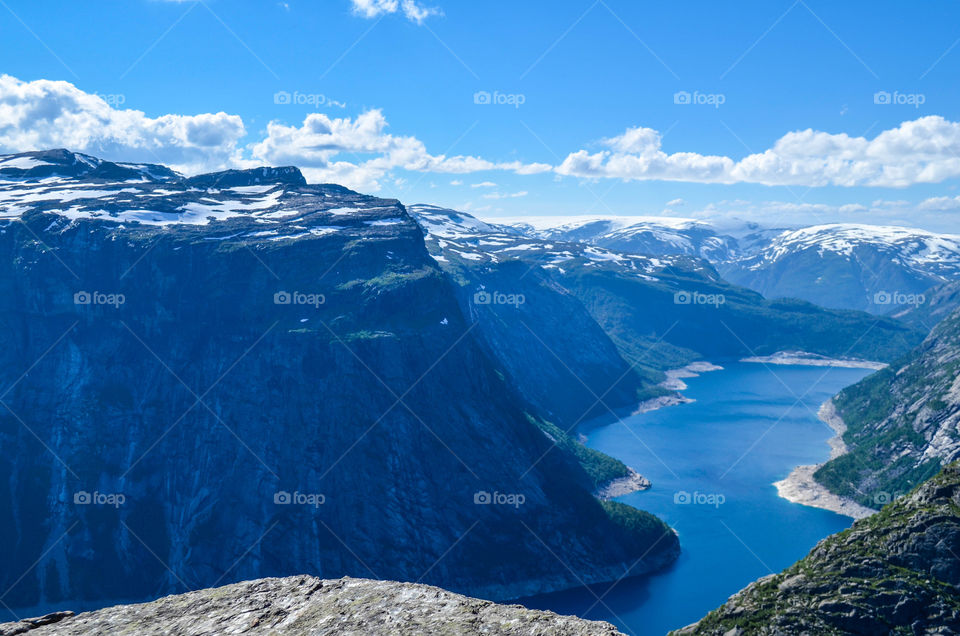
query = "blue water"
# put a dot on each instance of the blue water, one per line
(749, 426)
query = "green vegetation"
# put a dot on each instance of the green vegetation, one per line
(601, 468)
(880, 576)
(891, 416)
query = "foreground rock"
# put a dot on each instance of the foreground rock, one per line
(896, 572)
(306, 605)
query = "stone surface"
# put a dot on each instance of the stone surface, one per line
(308, 606)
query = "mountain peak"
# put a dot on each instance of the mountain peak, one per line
(264, 175)
(63, 163)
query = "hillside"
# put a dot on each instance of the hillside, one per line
(901, 422)
(896, 572)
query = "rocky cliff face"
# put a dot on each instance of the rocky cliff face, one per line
(239, 375)
(307, 606)
(896, 572)
(903, 423)
(546, 342)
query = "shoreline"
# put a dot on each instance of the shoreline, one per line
(802, 358)
(634, 481)
(801, 488)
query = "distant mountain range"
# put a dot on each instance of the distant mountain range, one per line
(659, 311)
(882, 270)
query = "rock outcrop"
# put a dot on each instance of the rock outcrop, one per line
(308, 606)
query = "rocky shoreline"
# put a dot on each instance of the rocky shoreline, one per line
(633, 482)
(803, 358)
(675, 377)
(675, 382)
(800, 486)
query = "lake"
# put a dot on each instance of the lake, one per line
(712, 464)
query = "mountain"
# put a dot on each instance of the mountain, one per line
(902, 422)
(873, 268)
(659, 311)
(896, 572)
(239, 375)
(882, 270)
(545, 340)
(660, 236)
(308, 606)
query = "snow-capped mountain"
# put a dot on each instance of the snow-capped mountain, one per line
(269, 204)
(462, 237)
(879, 269)
(658, 309)
(875, 268)
(641, 235)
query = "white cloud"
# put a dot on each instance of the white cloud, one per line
(456, 182)
(502, 195)
(484, 184)
(940, 204)
(46, 114)
(358, 152)
(410, 8)
(926, 150)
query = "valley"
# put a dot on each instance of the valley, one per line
(596, 409)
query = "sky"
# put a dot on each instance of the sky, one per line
(783, 112)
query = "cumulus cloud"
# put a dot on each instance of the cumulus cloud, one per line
(940, 204)
(358, 151)
(505, 195)
(926, 150)
(409, 8)
(46, 114)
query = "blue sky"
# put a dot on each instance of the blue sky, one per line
(210, 79)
